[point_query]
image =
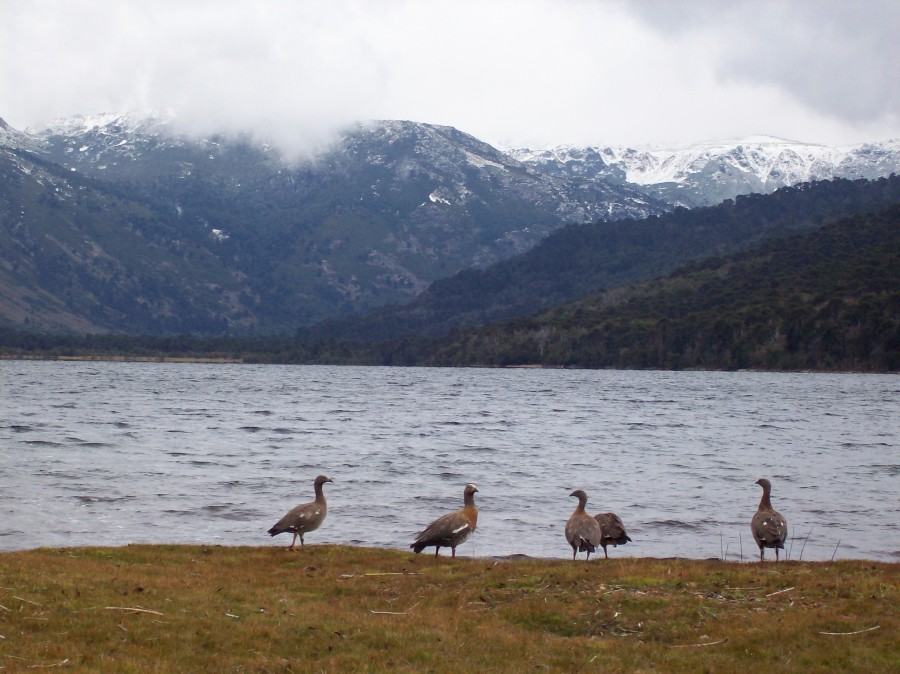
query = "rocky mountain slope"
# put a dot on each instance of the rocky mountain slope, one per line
(373, 220)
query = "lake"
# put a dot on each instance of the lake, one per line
(102, 453)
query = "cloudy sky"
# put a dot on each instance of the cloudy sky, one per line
(511, 72)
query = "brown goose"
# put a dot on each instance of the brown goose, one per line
(451, 529)
(612, 531)
(582, 530)
(306, 517)
(768, 526)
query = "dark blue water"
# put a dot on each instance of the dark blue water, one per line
(115, 453)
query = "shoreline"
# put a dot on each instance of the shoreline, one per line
(127, 359)
(509, 558)
(533, 366)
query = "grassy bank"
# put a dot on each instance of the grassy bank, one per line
(338, 609)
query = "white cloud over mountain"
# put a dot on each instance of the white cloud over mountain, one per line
(523, 72)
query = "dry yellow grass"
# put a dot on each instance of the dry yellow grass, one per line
(342, 609)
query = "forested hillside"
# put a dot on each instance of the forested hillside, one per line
(582, 259)
(827, 300)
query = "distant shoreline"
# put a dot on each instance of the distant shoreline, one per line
(128, 359)
(214, 360)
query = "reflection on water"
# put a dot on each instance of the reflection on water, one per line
(113, 453)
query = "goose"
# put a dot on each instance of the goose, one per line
(451, 529)
(612, 531)
(305, 517)
(768, 526)
(582, 530)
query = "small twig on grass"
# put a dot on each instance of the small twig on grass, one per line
(393, 573)
(5, 609)
(787, 589)
(847, 634)
(27, 601)
(711, 643)
(132, 608)
(395, 612)
(835, 550)
(347, 576)
(56, 664)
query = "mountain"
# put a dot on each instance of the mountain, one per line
(826, 299)
(823, 300)
(372, 220)
(707, 173)
(579, 260)
(126, 223)
(78, 255)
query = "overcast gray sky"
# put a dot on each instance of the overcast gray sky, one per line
(511, 72)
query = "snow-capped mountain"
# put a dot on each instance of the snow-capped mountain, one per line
(120, 146)
(710, 172)
(375, 218)
(125, 222)
(17, 140)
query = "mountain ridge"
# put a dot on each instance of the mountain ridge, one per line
(125, 223)
(372, 222)
(707, 172)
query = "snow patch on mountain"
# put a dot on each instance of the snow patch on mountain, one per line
(17, 140)
(115, 123)
(706, 172)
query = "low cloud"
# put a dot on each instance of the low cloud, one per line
(525, 72)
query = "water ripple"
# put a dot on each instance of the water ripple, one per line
(112, 453)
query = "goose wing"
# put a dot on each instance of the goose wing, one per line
(769, 528)
(446, 529)
(611, 528)
(583, 531)
(303, 518)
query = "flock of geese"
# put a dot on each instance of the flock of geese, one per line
(583, 531)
